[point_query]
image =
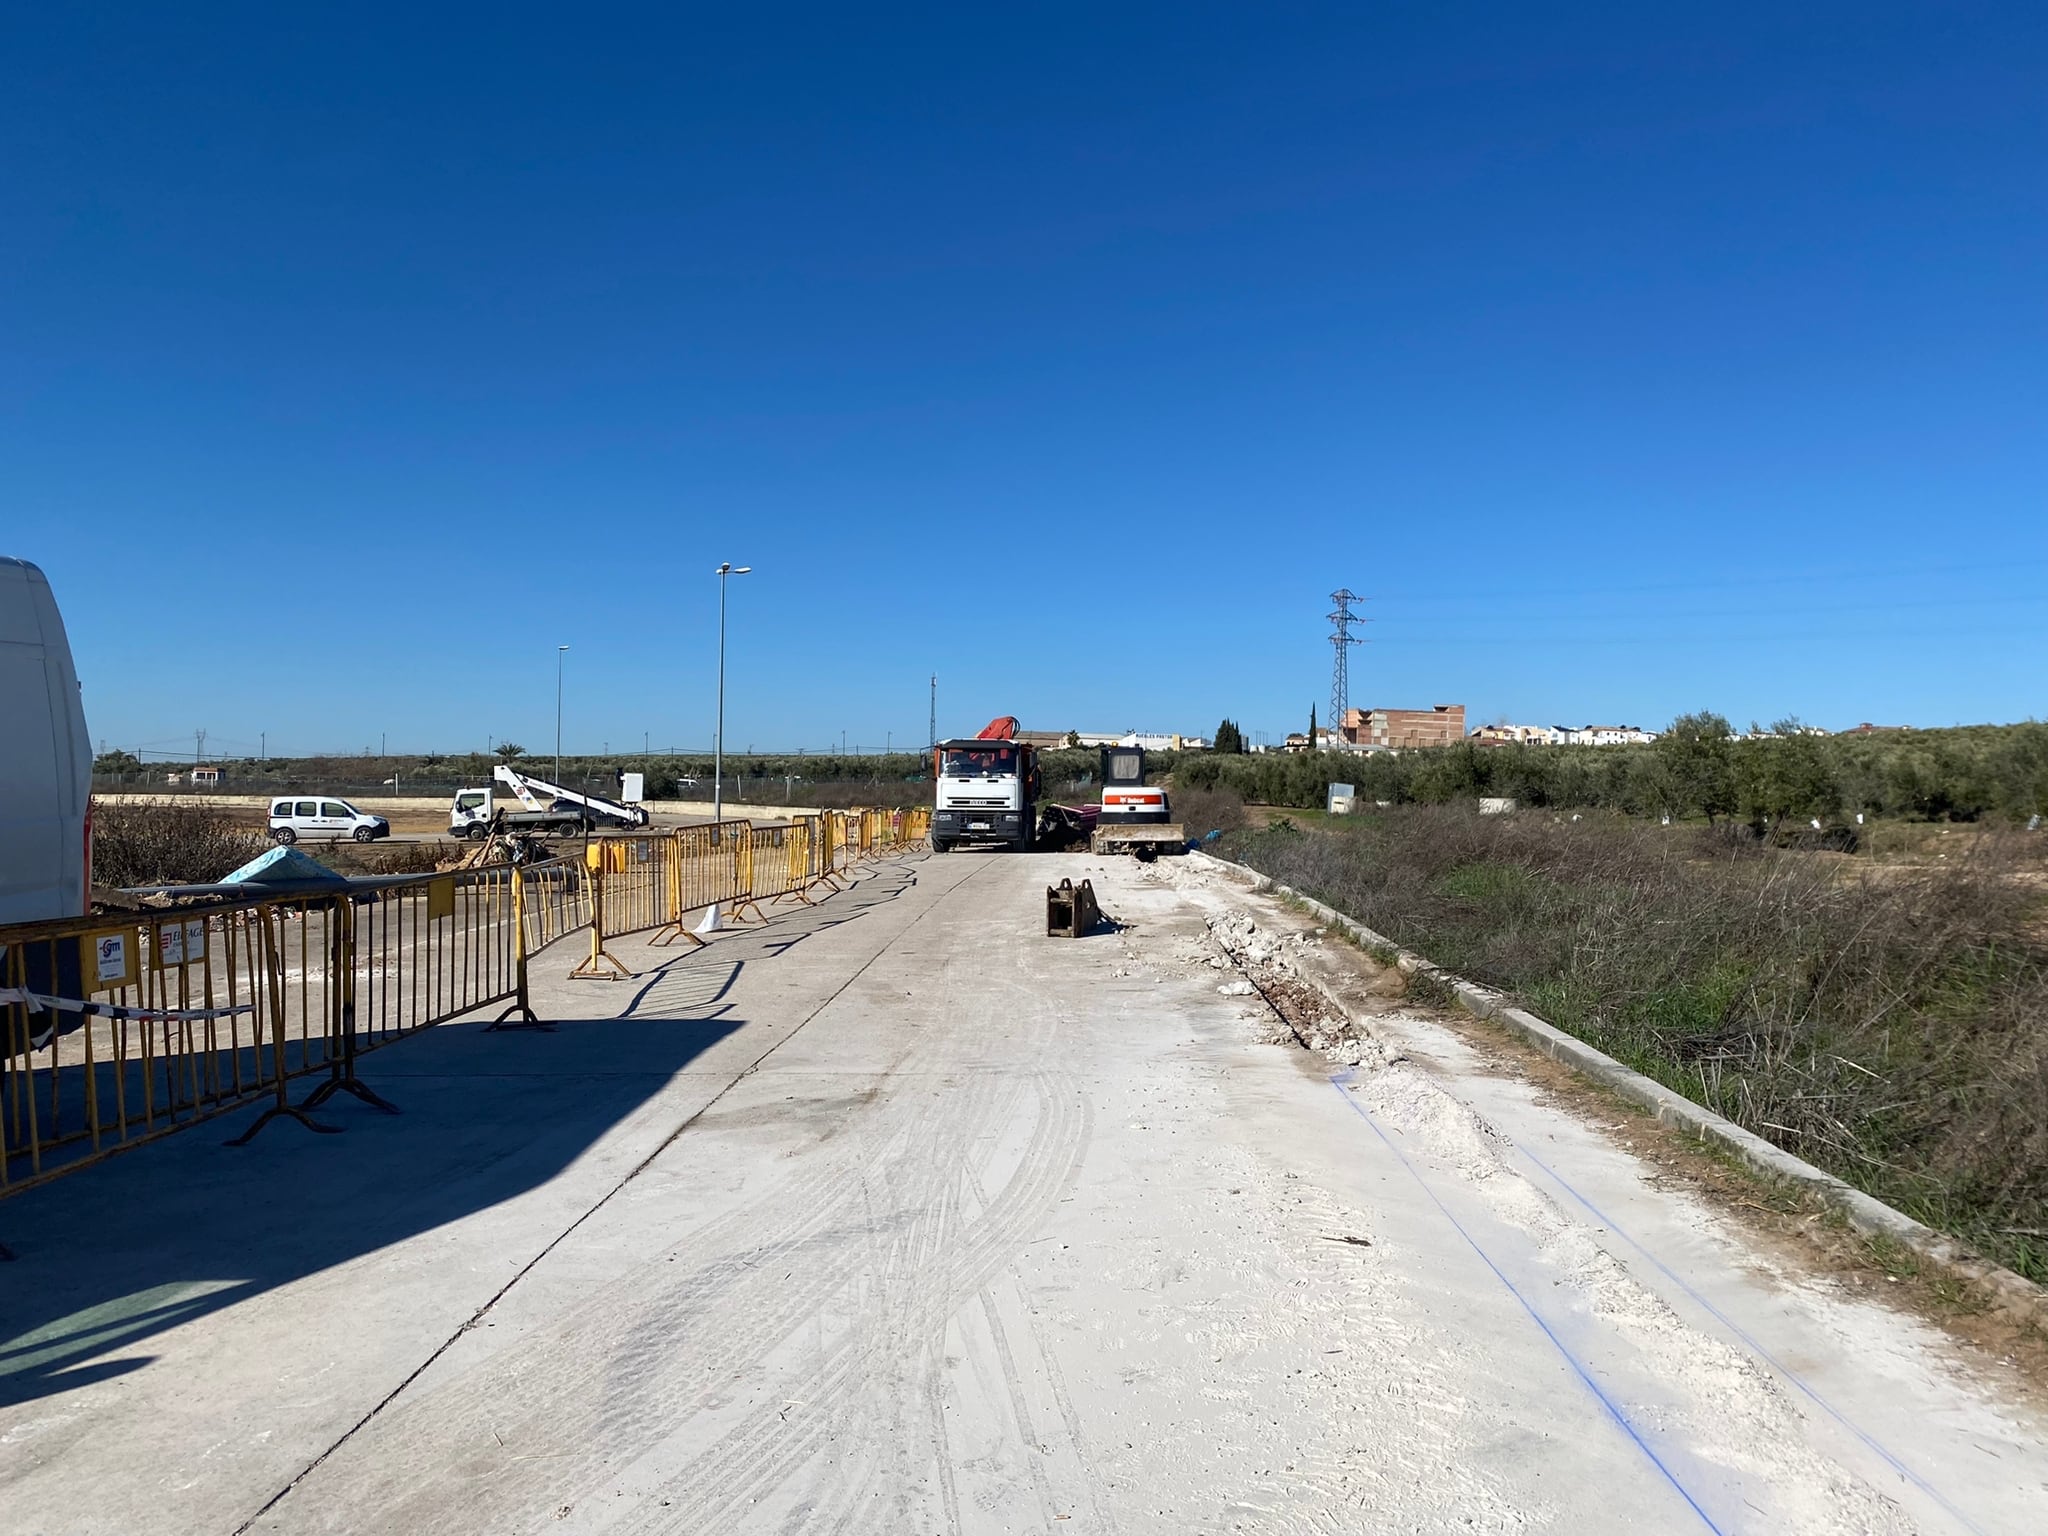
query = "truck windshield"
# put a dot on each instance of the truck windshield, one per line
(972, 762)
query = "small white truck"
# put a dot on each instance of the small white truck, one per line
(547, 808)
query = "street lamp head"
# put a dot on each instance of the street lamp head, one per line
(561, 647)
(729, 569)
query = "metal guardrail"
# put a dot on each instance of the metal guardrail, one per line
(115, 1030)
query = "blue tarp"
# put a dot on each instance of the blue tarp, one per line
(287, 869)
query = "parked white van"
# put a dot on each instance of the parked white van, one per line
(45, 757)
(297, 816)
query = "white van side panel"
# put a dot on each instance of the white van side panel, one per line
(45, 755)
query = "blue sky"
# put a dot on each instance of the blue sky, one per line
(1630, 359)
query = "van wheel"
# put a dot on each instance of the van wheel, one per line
(286, 836)
(365, 834)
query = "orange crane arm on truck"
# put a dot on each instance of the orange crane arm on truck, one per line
(1002, 728)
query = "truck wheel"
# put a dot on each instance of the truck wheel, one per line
(940, 845)
(285, 836)
(476, 832)
(365, 834)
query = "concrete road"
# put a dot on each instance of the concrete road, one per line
(896, 1216)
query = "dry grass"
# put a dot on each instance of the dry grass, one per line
(1890, 1027)
(136, 843)
(1202, 811)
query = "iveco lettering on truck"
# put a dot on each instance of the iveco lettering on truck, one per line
(45, 757)
(987, 790)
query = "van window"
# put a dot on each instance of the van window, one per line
(282, 808)
(334, 808)
(307, 808)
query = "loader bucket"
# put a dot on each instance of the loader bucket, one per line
(1070, 910)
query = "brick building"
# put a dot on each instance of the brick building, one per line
(1442, 725)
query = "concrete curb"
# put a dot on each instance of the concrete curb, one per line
(2010, 1292)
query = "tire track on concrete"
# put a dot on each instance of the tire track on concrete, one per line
(753, 1458)
(749, 1460)
(1056, 1385)
(478, 1316)
(685, 1339)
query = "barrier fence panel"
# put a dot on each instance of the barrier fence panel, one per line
(115, 1029)
(555, 899)
(703, 868)
(432, 949)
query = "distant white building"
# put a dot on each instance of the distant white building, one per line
(1757, 733)
(1151, 741)
(1599, 735)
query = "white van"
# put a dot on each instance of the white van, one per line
(297, 816)
(45, 757)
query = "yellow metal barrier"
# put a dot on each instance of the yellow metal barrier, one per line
(114, 1030)
(641, 881)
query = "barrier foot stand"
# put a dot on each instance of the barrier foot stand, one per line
(671, 932)
(521, 1004)
(289, 1111)
(801, 893)
(341, 1077)
(349, 1084)
(522, 999)
(740, 909)
(528, 1019)
(602, 965)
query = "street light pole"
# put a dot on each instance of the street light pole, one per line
(718, 737)
(558, 711)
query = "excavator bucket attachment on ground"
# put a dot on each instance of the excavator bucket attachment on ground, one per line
(1070, 910)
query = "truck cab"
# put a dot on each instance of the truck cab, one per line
(986, 794)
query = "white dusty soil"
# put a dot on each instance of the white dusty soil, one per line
(897, 1216)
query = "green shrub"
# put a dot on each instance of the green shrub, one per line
(1890, 1025)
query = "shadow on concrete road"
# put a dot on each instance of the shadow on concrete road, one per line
(182, 1228)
